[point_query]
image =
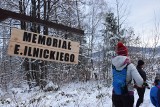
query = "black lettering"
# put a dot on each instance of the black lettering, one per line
(69, 45)
(61, 56)
(72, 58)
(66, 57)
(55, 42)
(27, 36)
(40, 53)
(64, 45)
(52, 55)
(25, 50)
(49, 41)
(34, 38)
(29, 51)
(41, 40)
(45, 54)
(57, 56)
(35, 52)
(16, 49)
(59, 44)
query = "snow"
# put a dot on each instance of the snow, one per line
(77, 94)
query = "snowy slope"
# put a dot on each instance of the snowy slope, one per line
(80, 94)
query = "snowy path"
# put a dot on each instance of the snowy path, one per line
(147, 102)
(79, 94)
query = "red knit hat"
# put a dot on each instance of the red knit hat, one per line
(121, 49)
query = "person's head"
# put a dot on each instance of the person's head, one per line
(156, 81)
(140, 63)
(121, 49)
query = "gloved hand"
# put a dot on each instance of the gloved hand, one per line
(146, 85)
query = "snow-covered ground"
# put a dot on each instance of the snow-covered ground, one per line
(78, 94)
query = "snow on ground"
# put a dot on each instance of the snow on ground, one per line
(78, 94)
(147, 102)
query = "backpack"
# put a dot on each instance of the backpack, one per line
(158, 95)
(119, 80)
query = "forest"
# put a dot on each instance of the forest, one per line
(103, 27)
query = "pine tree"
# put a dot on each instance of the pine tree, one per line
(109, 39)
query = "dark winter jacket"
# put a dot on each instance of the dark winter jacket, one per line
(142, 73)
(153, 95)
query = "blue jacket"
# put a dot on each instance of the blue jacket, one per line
(153, 95)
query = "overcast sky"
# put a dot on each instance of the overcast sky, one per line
(142, 16)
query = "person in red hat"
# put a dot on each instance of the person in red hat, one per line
(120, 63)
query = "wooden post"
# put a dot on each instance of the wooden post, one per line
(9, 14)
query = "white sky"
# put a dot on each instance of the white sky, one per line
(142, 16)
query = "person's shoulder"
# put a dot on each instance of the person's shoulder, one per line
(153, 91)
(132, 68)
(154, 88)
(131, 65)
